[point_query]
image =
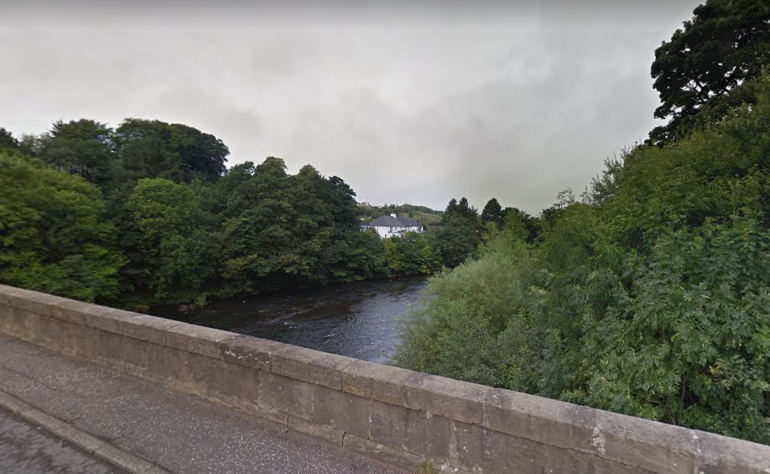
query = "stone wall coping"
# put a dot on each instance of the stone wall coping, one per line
(613, 436)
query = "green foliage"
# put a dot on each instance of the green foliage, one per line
(649, 298)
(423, 214)
(155, 149)
(53, 236)
(7, 141)
(81, 147)
(412, 254)
(460, 233)
(188, 230)
(178, 248)
(725, 43)
(492, 212)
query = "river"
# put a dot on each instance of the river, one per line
(353, 319)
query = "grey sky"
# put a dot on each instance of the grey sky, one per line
(409, 104)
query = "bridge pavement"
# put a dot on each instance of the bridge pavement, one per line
(157, 429)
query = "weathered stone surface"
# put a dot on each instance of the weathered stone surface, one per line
(480, 449)
(72, 311)
(540, 419)
(45, 331)
(316, 367)
(115, 348)
(164, 363)
(653, 446)
(286, 395)
(381, 452)
(342, 411)
(445, 397)
(147, 328)
(108, 319)
(197, 339)
(325, 433)
(723, 455)
(12, 322)
(249, 351)
(417, 432)
(376, 381)
(32, 301)
(221, 380)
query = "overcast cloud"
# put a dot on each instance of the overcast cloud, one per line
(407, 104)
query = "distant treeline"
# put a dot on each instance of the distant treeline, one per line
(148, 213)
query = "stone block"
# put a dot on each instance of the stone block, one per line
(115, 348)
(722, 455)
(32, 301)
(47, 332)
(12, 322)
(286, 395)
(316, 367)
(376, 381)
(216, 379)
(418, 432)
(197, 339)
(250, 351)
(480, 449)
(649, 445)
(165, 364)
(342, 411)
(540, 419)
(82, 341)
(445, 397)
(107, 319)
(325, 433)
(384, 453)
(72, 311)
(147, 328)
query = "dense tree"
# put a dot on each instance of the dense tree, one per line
(291, 230)
(156, 149)
(53, 233)
(83, 147)
(411, 254)
(460, 233)
(178, 251)
(725, 43)
(492, 212)
(7, 141)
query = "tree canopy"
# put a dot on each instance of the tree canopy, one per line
(725, 43)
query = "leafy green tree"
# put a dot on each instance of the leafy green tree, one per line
(82, 147)
(53, 233)
(460, 233)
(362, 257)
(411, 254)
(155, 149)
(492, 212)
(725, 43)
(7, 141)
(178, 250)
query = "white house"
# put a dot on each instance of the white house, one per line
(390, 226)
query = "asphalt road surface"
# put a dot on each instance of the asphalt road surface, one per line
(28, 449)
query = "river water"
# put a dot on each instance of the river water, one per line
(354, 319)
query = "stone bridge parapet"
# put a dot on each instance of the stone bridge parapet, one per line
(393, 414)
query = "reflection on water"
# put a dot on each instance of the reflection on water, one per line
(356, 319)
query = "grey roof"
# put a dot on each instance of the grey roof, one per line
(390, 221)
